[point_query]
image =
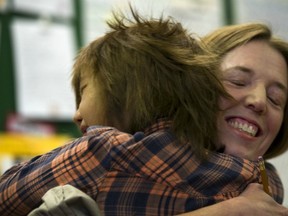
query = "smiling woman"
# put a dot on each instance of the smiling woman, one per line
(255, 74)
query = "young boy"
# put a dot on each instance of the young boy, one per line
(149, 78)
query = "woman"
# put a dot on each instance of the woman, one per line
(245, 50)
(254, 73)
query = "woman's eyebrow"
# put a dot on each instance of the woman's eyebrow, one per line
(241, 68)
(238, 69)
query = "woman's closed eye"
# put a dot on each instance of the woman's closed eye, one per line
(277, 99)
(235, 82)
(238, 82)
(237, 76)
(274, 101)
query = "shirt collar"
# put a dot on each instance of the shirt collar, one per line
(160, 124)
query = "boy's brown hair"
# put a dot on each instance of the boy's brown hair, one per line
(153, 68)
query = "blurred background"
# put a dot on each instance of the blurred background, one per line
(39, 40)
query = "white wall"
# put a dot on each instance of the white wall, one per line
(281, 164)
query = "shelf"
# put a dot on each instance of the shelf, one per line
(30, 145)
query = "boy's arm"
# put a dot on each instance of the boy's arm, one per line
(79, 163)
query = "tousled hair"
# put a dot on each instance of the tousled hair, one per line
(153, 68)
(227, 38)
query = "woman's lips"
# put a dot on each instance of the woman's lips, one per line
(248, 127)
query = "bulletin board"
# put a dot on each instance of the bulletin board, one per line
(43, 75)
(43, 53)
(37, 86)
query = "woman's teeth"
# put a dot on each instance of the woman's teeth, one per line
(245, 127)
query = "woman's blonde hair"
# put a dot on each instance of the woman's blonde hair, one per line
(227, 38)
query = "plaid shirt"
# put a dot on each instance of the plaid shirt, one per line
(149, 173)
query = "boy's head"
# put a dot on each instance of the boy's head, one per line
(146, 69)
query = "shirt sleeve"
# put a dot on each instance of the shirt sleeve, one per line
(80, 163)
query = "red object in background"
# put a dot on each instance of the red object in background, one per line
(18, 124)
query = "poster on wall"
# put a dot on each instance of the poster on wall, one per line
(59, 8)
(43, 54)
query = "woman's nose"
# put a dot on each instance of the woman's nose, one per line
(256, 99)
